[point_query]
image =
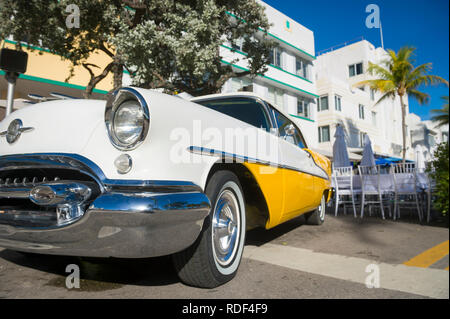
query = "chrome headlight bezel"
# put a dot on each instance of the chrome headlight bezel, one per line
(119, 97)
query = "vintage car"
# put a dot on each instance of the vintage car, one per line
(149, 174)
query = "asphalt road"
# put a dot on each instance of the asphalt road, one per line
(290, 261)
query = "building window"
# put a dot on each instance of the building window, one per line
(275, 97)
(275, 57)
(362, 136)
(372, 94)
(374, 118)
(301, 68)
(361, 111)
(322, 103)
(324, 134)
(431, 141)
(337, 103)
(302, 107)
(355, 69)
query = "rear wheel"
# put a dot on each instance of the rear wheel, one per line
(317, 216)
(215, 256)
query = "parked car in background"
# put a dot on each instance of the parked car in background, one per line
(148, 174)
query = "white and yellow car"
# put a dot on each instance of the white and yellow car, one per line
(149, 174)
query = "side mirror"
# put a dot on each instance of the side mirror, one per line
(289, 130)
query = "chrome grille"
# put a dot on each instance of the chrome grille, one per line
(20, 175)
(25, 181)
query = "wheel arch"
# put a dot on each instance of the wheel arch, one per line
(256, 209)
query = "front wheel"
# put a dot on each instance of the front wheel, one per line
(215, 256)
(317, 216)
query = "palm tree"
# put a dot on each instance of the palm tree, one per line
(441, 115)
(397, 76)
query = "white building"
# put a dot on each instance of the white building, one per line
(341, 101)
(289, 81)
(426, 136)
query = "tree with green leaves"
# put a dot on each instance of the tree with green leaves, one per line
(441, 115)
(439, 172)
(173, 45)
(397, 76)
(50, 24)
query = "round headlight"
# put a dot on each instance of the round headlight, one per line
(128, 122)
(127, 119)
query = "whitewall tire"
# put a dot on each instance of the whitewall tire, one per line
(317, 217)
(215, 256)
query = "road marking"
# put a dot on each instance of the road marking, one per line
(426, 282)
(430, 256)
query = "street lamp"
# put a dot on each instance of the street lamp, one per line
(13, 63)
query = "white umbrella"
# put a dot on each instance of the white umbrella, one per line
(420, 159)
(368, 158)
(340, 153)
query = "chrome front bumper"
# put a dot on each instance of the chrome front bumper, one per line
(126, 219)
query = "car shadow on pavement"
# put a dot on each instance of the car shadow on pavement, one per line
(99, 273)
(260, 236)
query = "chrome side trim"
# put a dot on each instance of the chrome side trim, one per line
(230, 158)
(269, 109)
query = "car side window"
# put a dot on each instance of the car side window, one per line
(283, 122)
(247, 110)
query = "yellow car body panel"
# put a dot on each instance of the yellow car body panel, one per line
(269, 183)
(290, 193)
(300, 195)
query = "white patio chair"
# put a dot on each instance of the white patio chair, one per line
(386, 187)
(405, 181)
(426, 186)
(370, 188)
(345, 191)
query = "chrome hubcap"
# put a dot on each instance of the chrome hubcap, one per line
(225, 227)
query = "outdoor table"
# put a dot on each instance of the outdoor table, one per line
(387, 182)
(422, 181)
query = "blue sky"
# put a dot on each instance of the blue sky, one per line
(419, 23)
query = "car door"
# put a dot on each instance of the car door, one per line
(298, 167)
(269, 178)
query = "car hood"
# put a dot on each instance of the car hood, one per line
(63, 126)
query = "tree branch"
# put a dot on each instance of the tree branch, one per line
(104, 49)
(95, 79)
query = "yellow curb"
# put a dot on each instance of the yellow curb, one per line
(429, 257)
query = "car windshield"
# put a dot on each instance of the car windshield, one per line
(246, 110)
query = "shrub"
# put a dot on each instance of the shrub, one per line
(439, 171)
